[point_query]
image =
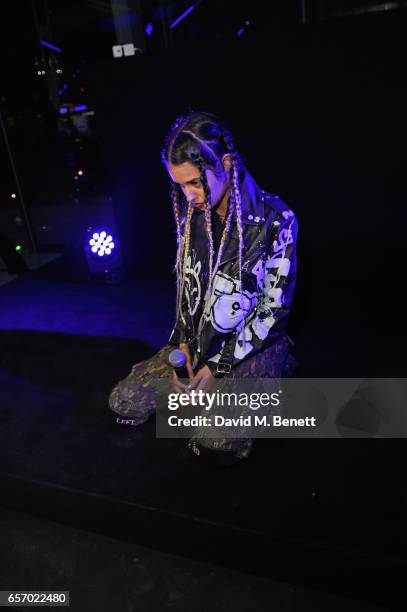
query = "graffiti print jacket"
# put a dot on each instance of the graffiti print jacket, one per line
(259, 308)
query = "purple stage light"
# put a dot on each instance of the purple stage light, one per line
(149, 29)
(101, 243)
(184, 14)
(103, 254)
(53, 47)
(243, 29)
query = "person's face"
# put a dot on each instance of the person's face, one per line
(187, 176)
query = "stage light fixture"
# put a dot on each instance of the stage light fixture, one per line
(101, 244)
(103, 254)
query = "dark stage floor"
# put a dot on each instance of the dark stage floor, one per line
(103, 574)
(324, 514)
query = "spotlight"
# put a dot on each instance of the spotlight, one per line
(103, 255)
(14, 195)
(101, 244)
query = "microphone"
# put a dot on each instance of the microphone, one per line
(177, 359)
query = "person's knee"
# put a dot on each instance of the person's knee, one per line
(114, 399)
(130, 407)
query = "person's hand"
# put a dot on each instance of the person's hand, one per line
(178, 385)
(203, 380)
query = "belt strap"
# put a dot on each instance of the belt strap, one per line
(226, 358)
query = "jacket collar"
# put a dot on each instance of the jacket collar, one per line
(252, 201)
(252, 198)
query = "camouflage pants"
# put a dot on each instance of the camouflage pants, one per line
(136, 397)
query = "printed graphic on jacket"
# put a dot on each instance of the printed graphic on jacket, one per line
(228, 306)
(261, 316)
(193, 290)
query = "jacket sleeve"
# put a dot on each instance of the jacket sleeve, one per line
(266, 321)
(179, 333)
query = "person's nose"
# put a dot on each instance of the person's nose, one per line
(190, 195)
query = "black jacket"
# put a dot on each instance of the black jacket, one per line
(268, 279)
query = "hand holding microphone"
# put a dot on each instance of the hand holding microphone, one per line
(180, 360)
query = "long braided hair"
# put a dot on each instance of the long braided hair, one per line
(202, 139)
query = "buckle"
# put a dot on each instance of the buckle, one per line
(223, 368)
